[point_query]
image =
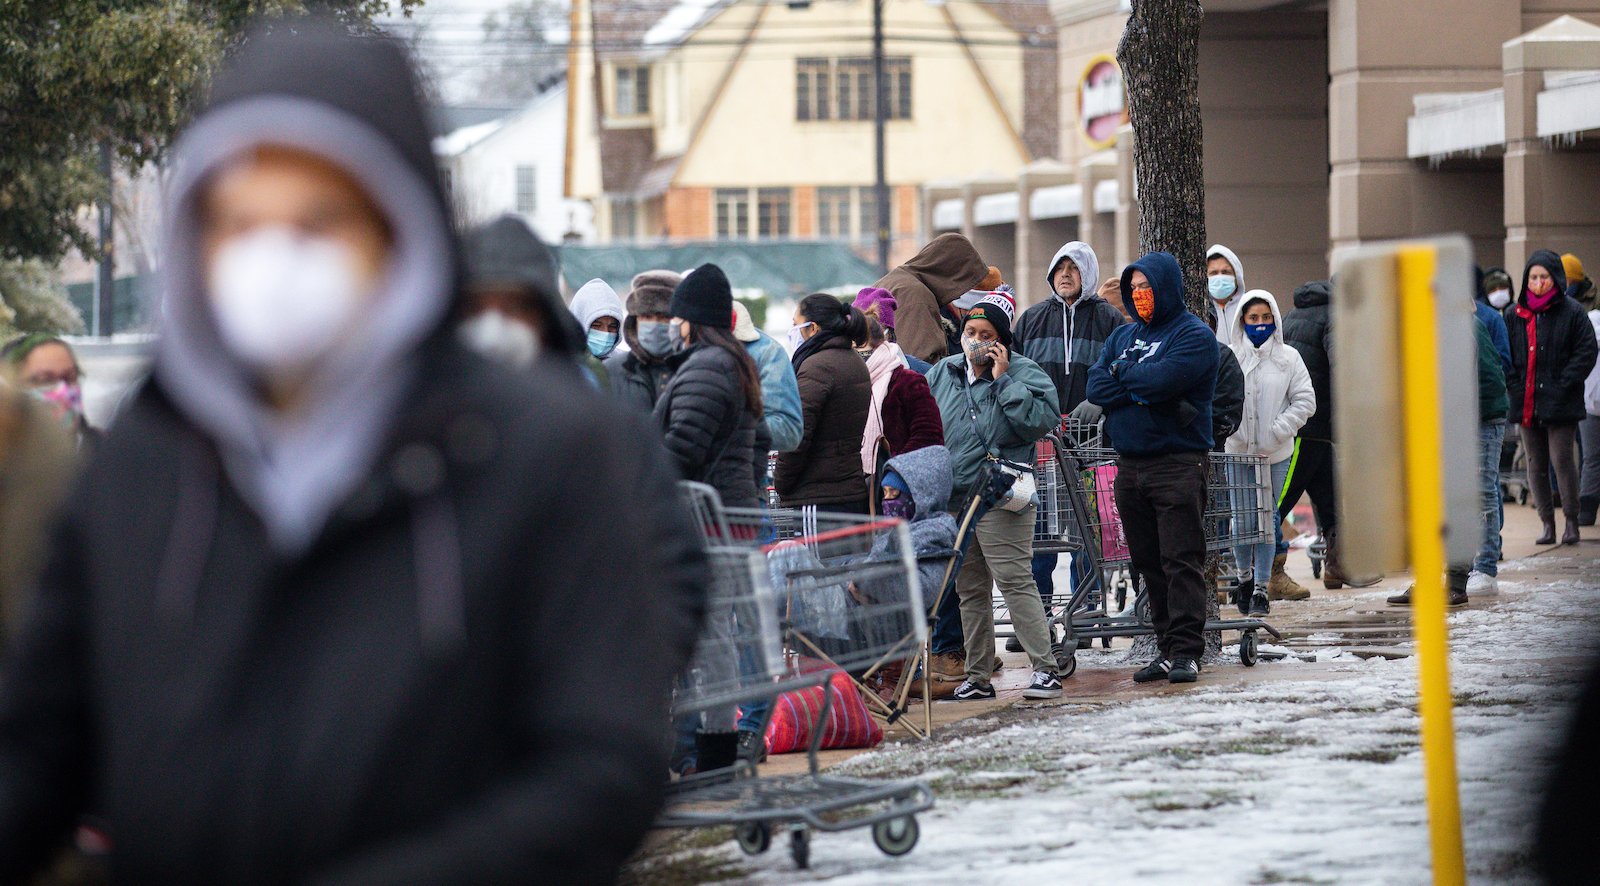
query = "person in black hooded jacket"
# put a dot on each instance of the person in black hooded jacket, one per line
(323, 608)
(1552, 351)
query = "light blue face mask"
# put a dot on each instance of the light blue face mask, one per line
(655, 338)
(1222, 286)
(602, 343)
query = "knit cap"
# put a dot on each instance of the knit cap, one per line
(1573, 267)
(878, 302)
(998, 309)
(704, 298)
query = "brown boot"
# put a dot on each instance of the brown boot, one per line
(1281, 586)
(1333, 576)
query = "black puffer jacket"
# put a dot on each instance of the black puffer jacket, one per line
(1565, 352)
(1227, 404)
(713, 436)
(1307, 330)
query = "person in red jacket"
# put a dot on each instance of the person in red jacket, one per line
(904, 415)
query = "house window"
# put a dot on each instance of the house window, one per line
(833, 213)
(527, 196)
(848, 82)
(624, 219)
(733, 213)
(633, 91)
(772, 212)
(868, 198)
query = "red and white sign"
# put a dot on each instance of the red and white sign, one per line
(1102, 104)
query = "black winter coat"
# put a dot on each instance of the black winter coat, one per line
(635, 381)
(382, 709)
(1307, 330)
(1227, 403)
(713, 435)
(1565, 354)
(1041, 335)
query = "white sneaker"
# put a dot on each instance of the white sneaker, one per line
(1481, 584)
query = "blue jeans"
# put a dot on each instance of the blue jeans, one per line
(1258, 557)
(1490, 438)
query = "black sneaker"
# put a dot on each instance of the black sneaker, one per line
(1242, 595)
(970, 691)
(752, 746)
(1156, 670)
(1184, 670)
(1013, 644)
(1044, 685)
(1259, 605)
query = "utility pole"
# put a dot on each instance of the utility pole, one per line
(880, 115)
(104, 297)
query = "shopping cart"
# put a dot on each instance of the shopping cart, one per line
(1077, 514)
(798, 596)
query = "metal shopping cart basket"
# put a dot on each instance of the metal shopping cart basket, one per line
(798, 596)
(1077, 514)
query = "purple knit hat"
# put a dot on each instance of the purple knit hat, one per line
(872, 296)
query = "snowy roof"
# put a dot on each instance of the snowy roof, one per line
(465, 137)
(681, 20)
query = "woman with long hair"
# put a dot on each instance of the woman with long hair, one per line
(835, 397)
(904, 416)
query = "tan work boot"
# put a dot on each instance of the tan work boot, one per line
(1281, 586)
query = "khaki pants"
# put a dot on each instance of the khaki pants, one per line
(1001, 554)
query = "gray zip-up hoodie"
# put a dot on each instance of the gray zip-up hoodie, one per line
(1065, 340)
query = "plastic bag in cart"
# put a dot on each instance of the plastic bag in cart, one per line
(1113, 544)
(813, 607)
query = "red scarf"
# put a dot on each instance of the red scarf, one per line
(1532, 318)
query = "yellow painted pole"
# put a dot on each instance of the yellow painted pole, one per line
(1424, 450)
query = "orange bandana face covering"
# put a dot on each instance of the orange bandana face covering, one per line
(1144, 302)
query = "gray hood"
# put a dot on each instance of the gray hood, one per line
(594, 300)
(1084, 258)
(929, 474)
(354, 102)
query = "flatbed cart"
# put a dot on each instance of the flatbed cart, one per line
(798, 596)
(1079, 516)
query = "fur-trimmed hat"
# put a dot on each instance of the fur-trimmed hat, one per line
(651, 292)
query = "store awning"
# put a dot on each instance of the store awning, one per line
(1446, 123)
(1569, 104)
(1061, 201)
(995, 209)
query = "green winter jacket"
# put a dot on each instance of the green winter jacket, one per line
(1493, 401)
(1014, 412)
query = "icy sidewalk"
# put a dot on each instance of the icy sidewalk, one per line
(1305, 773)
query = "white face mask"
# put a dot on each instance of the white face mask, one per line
(1500, 298)
(499, 337)
(281, 299)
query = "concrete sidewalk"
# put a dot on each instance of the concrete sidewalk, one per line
(1353, 621)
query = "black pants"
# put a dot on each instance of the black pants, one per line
(1311, 472)
(1162, 502)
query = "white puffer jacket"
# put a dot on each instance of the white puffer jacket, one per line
(1278, 397)
(1591, 385)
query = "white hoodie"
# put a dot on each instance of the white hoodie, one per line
(1278, 397)
(594, 300)
(1227, 312)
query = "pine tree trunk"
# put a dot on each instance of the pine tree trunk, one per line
(1160, 58)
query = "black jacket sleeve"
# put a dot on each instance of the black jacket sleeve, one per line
(1227, 404)
(699, 401)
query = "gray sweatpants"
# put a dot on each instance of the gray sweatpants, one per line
(1001, 554)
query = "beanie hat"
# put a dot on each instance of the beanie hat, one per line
(651, 292)
(1573, 267)
(992, 280)
(895, 481)
(704, 298)
(744, 329)
(997, 309)
(878, 302)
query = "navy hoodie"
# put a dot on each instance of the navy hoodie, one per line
(1155, 380)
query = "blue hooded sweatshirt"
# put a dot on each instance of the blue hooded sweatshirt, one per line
(1155, 380)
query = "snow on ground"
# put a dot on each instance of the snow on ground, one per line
(1312, 778)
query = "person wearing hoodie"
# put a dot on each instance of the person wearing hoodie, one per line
(903, 415)
(638, 374)
(1553, 350)
(940, 273)
(1156, 380)
(299, 618)
(1064, 335)
(598, 311)
(1278, 400)
(996, 404)
(916, 489)
(1493, 295)
(514, 310)
(835, 400)
(780, 390)
(1225, 283)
